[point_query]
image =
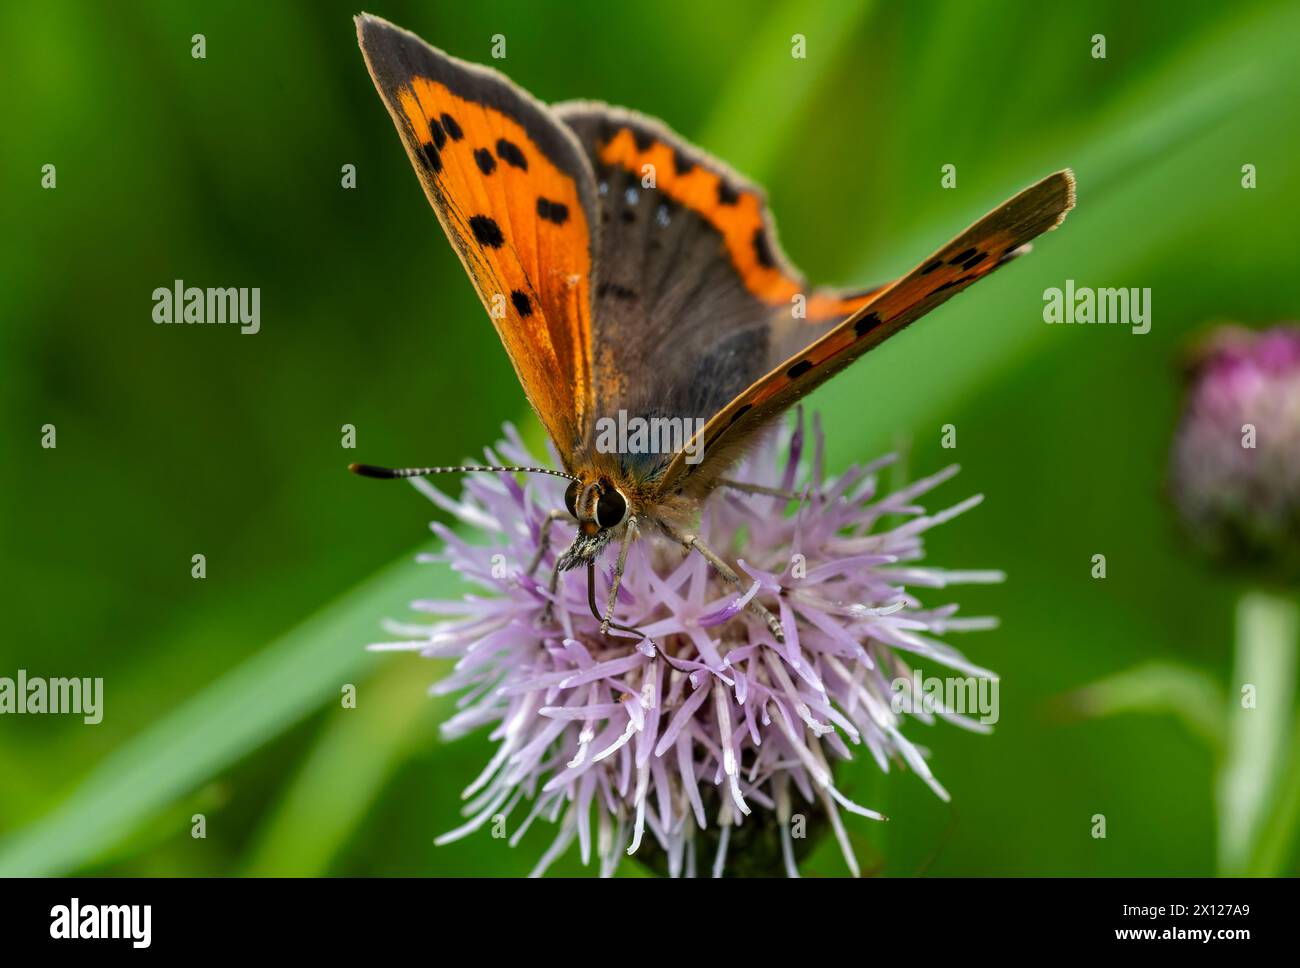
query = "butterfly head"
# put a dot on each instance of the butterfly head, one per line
(600, 509)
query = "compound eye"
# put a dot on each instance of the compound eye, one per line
(571, 498)
(610, 508)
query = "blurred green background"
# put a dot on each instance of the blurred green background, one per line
(222, 695)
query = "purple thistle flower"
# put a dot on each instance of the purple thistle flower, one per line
(707, 729)
(1235, 465)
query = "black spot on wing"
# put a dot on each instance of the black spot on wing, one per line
(431, 156)
(437, 134)
(486, 231)
(486, 163)
(642, 139)
(961, 256)
(866, 324)
(522, 305)
(762, 251)
(681, 164)
(726, 194)
(799, 369)
(974, 260)
(556, 212)
(931, 267)
(740, 413)
(509, 152)
(451, 127)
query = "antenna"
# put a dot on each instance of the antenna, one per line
(393, 473)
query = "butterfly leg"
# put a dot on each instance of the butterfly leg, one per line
(544, 545)
(548, 613)
(692, 542)
(629, 533)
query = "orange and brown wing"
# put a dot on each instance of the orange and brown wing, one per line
(515, 194)
(988, 244)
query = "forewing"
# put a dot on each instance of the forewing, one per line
(514, 192)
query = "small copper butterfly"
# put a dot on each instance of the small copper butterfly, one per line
(634, 278)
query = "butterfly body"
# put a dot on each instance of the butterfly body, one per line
(631, 275)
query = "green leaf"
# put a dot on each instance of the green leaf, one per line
(1277, 837)
(365, 745)
(238, 713)
(1259, 730)
(1193, 696)
(772, 79)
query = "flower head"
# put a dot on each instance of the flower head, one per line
(1235, 466)
(703, 731)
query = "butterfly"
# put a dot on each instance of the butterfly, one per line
(632, 277)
